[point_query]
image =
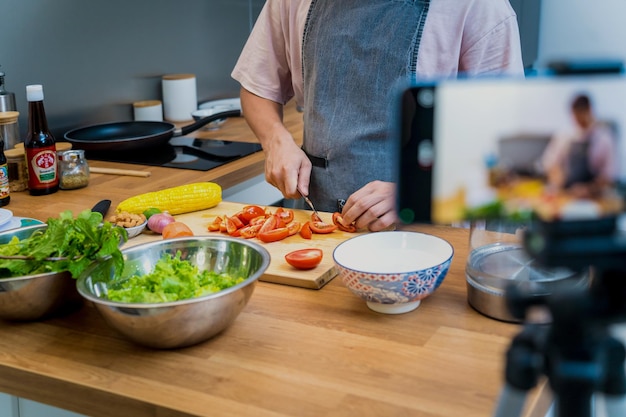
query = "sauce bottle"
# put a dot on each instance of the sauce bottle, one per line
(41, 156)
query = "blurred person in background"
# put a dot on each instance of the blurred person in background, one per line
(342, 61)
(582, 162)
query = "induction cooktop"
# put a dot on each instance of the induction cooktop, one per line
(182, 152)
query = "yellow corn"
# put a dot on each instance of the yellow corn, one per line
(175, 200)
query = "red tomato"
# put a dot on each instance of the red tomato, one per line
(269, 224)
(305, 231)
(304, 258)
(250, 212)
(337, 219)
(286, 215)
(214, 226)
(249, 231)
(322, 228)
(293, 227)
(273, 235)
(176, 229)
(257, 220)
(315, 217)
(231, 225)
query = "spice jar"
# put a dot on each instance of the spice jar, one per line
(17, 169)
(73, 169)
(9, 128)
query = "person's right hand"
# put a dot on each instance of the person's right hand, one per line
(287, 167)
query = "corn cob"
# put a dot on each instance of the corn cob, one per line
(175, 200)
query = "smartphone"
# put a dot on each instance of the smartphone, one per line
(550, 147)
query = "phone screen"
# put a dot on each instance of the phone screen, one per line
(549, 147)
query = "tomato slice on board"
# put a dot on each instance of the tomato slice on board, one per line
(315, 218)
(273, 235)
(231, 225)
(322, 228)
(269, 224)
(250, 231)
(305, 231)
(337, 221)
(293, 227)
(286, 215)
(214, 226)
(176, 229)
(250, 212)
(304, 258)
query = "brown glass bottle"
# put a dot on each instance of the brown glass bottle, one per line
(40, 147)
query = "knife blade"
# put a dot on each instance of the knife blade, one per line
(309, 202)
(102, 207)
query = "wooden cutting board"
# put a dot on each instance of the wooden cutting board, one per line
(279, 271)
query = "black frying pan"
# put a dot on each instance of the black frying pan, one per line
(123, 136)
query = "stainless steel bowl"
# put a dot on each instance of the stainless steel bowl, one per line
(185, 322)
(33, 297)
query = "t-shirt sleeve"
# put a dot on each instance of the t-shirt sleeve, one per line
(263, 66)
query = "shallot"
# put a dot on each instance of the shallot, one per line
(158, 221)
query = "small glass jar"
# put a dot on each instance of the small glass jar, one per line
(73, 169)
(9, 128)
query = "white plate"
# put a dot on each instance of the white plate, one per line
(16, 222)
(232, 103)
(5, 216)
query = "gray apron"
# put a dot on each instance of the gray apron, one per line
(355, 53)
(578, 169)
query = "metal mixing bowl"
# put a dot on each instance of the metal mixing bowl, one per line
(32, 297)
(180, 323)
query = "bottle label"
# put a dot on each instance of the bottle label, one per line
(42, 167)
(4, 181)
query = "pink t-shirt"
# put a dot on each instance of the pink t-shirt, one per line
(474, 37)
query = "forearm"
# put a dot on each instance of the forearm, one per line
(265, 118)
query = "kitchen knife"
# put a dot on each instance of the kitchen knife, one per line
(102, 207)
(309, 202)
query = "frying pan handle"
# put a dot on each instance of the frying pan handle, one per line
(206, 120)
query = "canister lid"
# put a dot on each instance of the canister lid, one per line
(8, 117)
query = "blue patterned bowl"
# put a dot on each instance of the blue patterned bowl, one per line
(393, 271)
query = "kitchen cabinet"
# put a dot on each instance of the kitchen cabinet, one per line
(29, 408)
(8, 406)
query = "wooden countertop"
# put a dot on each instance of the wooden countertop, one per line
(291, 352)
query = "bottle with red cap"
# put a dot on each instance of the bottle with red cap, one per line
(40, 147)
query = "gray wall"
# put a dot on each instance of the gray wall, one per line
(94, 58)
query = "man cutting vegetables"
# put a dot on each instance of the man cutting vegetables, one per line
(341, 61)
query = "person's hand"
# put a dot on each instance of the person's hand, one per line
(372, 207)
(286, 167)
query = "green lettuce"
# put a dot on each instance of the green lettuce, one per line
(171, 279)
(80, 241)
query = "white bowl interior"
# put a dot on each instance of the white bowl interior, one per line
(392, 252)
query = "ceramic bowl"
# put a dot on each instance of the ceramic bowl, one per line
(33, 297)
(136, 230)
(180, 323)
(393, 271)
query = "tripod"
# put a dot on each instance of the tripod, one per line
(575, 351)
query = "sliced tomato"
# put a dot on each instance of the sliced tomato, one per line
(250, 231)
(286, 215)
(176, 229)
(273, 235)
(293, 227)
(305, 231)
(214, 226)
(250, 212)
(315, 217)
(321, 227)
(231, 225)
(269, 224)
(337, 220)
(258, 220)
(304, 258)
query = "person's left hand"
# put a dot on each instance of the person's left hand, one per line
(372, 207)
